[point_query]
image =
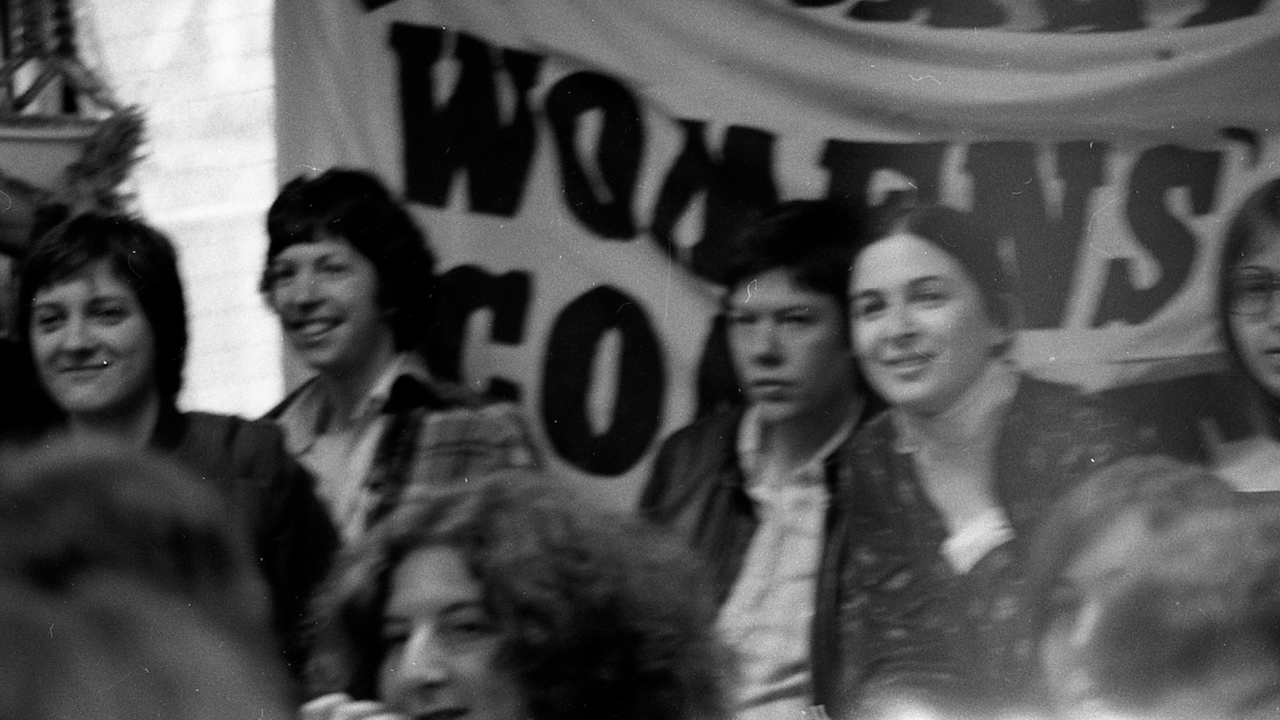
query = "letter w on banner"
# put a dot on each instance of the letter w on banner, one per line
(579, 166)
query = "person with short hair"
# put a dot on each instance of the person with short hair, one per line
(102, 315)
(350, 276)
(752, 488)
(507, 599)
(946, 485)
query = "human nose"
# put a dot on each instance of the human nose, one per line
(1270, 312)
(424, 662)
(78, 335)
(903, 323)
(301, 290)
(766, 343)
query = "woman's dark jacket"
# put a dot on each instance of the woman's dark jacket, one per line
(910, 624)
(698, 490)
(272, 496)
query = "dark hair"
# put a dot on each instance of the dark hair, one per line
(1259, 213)
(960, 234)
(813, 239)
(356, 206)
(601, 615)
(139, 256)
(74, 509)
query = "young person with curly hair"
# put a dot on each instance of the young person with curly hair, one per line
(503, 600)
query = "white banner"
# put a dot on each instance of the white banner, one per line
(578, 166)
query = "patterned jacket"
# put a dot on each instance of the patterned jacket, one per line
(914, 627)
(437, 433)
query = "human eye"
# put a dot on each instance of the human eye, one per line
(394, 632)
(1251, 289)
(469, 624)
(798, 317)
(46, 319)
(333, 265)
(109, 312)
(929, 292)
(867, 304)
(739, 318)
(281, 273)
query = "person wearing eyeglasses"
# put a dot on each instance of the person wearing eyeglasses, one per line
(1248, 280)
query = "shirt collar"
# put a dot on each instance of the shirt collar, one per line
(749, 461)
(301, 421)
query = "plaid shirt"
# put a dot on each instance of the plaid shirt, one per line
(410, 430)
(437, 447)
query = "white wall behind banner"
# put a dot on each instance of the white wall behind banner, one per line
(202, 70)
(578, 165)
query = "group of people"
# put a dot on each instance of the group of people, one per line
(895, 522)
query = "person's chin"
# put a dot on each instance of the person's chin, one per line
(773, 411)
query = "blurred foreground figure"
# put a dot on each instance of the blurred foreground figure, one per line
(1155, 593)
(115, 649)
(125, 592)
(500, 600)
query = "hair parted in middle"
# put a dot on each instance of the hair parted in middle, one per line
(601, 615)
(962, 235)
(356, 206)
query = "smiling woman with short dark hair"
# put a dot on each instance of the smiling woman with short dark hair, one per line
(102, 315)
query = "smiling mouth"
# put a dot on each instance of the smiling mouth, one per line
(311, 330)
(84, 370)
(907, 362)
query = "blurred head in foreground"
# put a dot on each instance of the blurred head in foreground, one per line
(126, 593)
(1156, 593)
(113, 648)
(75, 509)
(505, 601)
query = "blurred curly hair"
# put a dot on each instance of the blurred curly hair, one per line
(602, 616)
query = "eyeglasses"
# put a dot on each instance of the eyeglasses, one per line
(1251, 291)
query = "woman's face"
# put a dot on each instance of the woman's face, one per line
(920, 327)
(1254, 319)
(441, 644)
(92, 346)
(326, 296)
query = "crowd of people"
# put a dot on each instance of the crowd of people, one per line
(896, 521)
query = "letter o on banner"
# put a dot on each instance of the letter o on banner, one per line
(567, 380)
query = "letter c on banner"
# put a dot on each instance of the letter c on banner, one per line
(575, 340)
